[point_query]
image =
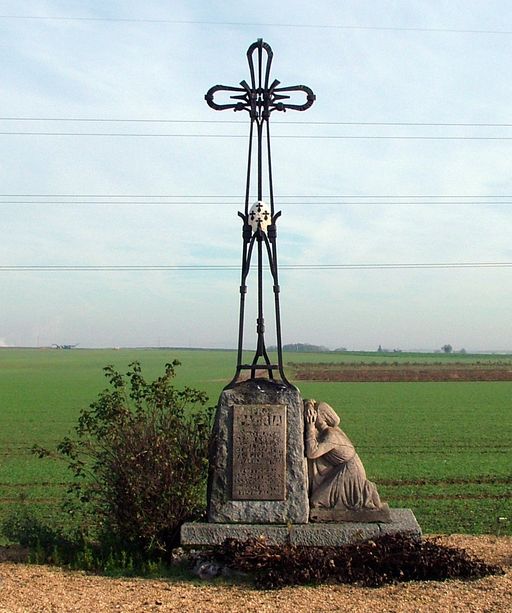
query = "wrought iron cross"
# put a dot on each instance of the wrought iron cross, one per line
(260, 98)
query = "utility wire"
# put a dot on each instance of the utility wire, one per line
(216, 204)
(255, 24)
(239, 196)
(283, 122)
(280, 136)
(217, 267)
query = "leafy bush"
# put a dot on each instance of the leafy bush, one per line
(139, 460)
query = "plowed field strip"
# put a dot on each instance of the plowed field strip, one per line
(432, 451)
(46, 500)
(36, 484)
(467, 496)
(427, 447)
(485, 480)
(400, 373)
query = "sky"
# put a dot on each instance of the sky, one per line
(93, 197)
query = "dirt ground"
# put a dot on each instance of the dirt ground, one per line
(43, 589)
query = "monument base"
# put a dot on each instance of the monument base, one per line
(316, 535)
(361, 516)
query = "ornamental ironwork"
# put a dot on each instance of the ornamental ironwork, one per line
(260, 98)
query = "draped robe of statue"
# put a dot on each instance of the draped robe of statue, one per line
(337, 478)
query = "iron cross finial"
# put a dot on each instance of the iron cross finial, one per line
(261, 97)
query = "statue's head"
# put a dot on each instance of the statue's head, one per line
(327, 414)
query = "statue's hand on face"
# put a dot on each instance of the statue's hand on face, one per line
(310, 413)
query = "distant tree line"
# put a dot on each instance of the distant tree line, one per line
(307, 348)
(310, 348)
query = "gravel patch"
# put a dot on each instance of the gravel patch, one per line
(45, 589)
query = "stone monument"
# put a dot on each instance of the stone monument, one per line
(258, 472)
(265, 477)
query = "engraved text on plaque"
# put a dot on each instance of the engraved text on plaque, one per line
(259, 452)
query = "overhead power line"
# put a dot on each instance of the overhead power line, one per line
(216, 204)
(240, 196)
(217, 267)
(280, 136)
(155, 200)
(282, 122)
(321, 26)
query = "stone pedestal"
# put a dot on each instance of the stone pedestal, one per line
(258, 470)
(317, 535)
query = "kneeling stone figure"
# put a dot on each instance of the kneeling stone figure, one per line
(338, 487)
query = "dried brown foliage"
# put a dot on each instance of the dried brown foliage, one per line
(389, 559)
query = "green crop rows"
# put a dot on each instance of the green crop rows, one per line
(442, 449)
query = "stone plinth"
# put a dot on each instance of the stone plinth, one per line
(319, 535)
(258, 470)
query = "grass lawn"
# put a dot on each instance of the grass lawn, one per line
(442, 449)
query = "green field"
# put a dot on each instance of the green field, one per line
(442, 449)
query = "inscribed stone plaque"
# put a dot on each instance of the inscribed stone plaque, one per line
(259, 452)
